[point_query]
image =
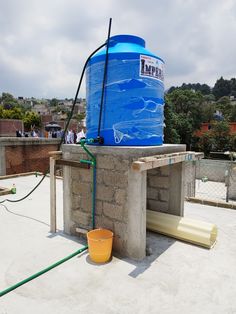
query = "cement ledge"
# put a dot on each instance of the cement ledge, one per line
(13, 141)
(138, 151)
(211, 202)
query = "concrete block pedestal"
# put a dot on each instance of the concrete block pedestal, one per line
(123, 194)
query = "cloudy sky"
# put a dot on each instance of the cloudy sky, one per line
(44, 44)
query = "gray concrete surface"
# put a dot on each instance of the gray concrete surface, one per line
(176, 278)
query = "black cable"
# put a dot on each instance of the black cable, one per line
(67, 125)
(104, 79)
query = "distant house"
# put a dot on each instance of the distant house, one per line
(206, 126)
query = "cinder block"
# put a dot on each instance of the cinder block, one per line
(104, 222)
(81, 218)
(98, 207)
(121, 164)
(120, 196)
(165, 171)
(99, 176)
(113, 211)
(154, 172)
(152, 193)
(104, 193)
(114, 178)
(75, 203)
(105, 162)
(159, 182)
(119, 245)
(86, 204)
(85, 175)
(81, 188)
(157, 205)
(164, 195)
(75, 174)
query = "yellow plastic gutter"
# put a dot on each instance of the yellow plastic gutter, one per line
(186, 229)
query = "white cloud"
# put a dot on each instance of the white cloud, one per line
(43, 45)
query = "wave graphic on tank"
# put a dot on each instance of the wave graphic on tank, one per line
(148, 105)
(139, 129)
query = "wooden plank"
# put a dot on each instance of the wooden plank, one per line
(146, 163)
(72, 163)
(55, 153)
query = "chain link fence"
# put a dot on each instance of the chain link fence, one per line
(209, 179)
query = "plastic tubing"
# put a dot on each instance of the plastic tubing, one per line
(41, 272)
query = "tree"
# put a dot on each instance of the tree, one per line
(233, 87)
(171, 135)
(183, 115)
(8, 101)
(224, 106)
(220, 133)
(14, 113)
(197, 87)
(31, 120)
(205, 143)
(54, 102)
(221, 88)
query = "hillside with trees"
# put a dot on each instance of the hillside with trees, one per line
(10, 108)
(190, 105)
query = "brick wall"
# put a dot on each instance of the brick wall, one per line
(27, 158)
(25, 154)
(8, 127)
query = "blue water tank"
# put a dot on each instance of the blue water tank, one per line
(133, 106)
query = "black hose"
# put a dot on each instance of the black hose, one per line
(104, 80)
(67, 125)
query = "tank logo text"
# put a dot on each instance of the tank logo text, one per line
(151, 67)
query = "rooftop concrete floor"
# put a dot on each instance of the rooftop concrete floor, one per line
(176, 278)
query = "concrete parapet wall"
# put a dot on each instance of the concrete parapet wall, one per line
(20, 154)
(214, 170)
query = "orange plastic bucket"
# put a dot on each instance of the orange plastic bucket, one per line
(100, 245)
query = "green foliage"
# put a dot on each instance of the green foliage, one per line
(183, 115)
(8, 101)
(205, 143)
(224, 106)
(31, 120)
(171, 135)
(79, 117)
(204, 89)
(221, 88)
(54, 102)
(216, 139)
(14, 113)
(220, 133)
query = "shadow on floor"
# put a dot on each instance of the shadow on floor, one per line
(156, 245)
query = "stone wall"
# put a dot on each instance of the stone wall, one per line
(121, 193)
(19, 154)
(158, 189)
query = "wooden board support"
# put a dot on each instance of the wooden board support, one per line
(147, 163)
(71, 163)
